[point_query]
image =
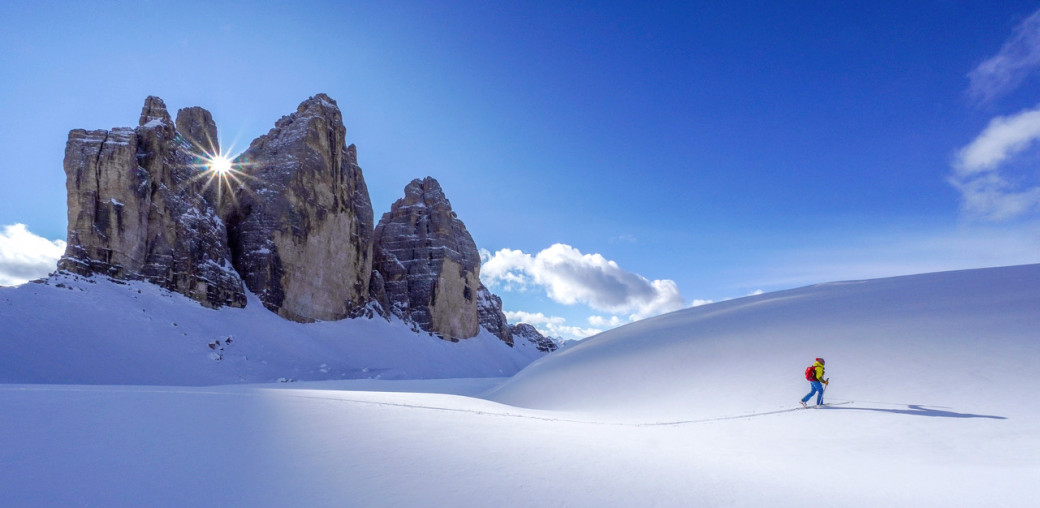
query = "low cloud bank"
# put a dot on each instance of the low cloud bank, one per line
(570, 277)
(25, 256)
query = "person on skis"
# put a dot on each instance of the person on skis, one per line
(814, 374)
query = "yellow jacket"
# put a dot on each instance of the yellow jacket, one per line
(819, 371)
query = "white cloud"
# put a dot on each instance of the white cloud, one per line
(25, 256)
(990, 197)
(572, 332)
(506, 268)
(980, 168)
(570, 277)
(1017, 59)
(533, 318)
(1004, 137)
(602, 322)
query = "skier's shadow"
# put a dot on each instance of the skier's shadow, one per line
(916, 410)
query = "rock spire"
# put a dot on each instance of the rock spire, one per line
(428, 262)
(135, 211)
(301, 226)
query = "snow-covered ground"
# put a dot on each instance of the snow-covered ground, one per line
(94, 331)
(937, 375)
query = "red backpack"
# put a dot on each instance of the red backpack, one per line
(810, 373)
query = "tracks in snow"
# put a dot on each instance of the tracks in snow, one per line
(311, 394)
(562, 420)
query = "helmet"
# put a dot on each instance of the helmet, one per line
(821, 361)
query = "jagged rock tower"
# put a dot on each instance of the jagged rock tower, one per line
(136, 212)
(428, 262)
(300, 229)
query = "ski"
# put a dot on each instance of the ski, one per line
(825, 404)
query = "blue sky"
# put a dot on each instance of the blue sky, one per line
(614, 159)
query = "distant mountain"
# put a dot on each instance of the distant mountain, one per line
(287, 234)
(292, 223)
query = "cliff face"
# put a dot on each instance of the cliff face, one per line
(196, 126)
(135, 211)
(301, 227)
(428, 262)
(293, 224)
(492, 319)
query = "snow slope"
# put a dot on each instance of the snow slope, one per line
(969, 339)
(936, 375)
(94, 331)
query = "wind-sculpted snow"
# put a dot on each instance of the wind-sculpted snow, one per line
(965, 336)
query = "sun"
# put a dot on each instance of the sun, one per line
(222, 172)
(220, 165)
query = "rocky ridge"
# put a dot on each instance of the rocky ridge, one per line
(294, 225)
(492, 319)
(524, 331)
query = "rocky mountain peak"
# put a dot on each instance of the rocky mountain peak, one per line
(197, 127)
(427, 191)
(154, 113)
(297, 231)
(426, 207)
(524, 331)
(134, 213)
(316, 120)
(319, 105)
(301, 232)
(428, 262)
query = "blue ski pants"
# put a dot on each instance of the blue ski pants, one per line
(817, 388)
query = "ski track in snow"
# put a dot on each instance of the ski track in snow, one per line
(479, 412)
(555, 419)
(912, 409)
(567, 420)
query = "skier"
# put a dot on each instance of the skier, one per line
(814, 375)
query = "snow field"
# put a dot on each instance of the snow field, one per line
(297, 446)
(695, 408)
